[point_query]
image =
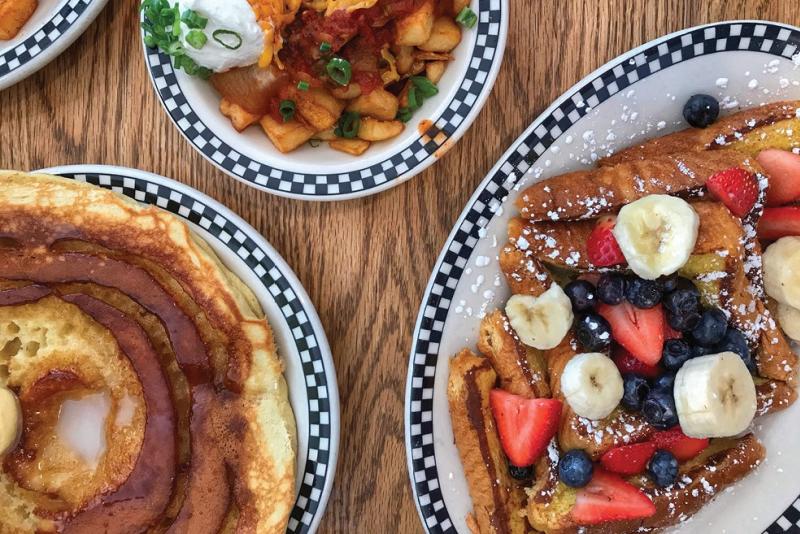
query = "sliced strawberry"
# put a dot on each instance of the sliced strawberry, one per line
(525, 425)
(602, 246)
(638, 330)
(626, 363)
(671, 333)
(776, 223)
(736, 188)
(783, 169)
(628, 459)
(679, 444)
(608, 497)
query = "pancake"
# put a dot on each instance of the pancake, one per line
(153, 397)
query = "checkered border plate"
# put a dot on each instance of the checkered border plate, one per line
(402, 165)
(318, 468)
(772, 39)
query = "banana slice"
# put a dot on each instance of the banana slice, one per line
(541, 322)
(789, 318)
(715, 396)
(10, 421)
(592, 385)
(657, 234)
(782, 271)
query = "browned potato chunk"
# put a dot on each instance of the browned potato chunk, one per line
(403, 98)
(445, 36)
(380, 104)
(318, 108)
(286, 136)
(325, 135)
(348, 92)
(434, 70)
(458, 5)
(354, 147)
(375, 130)
(240, 117)
(405, 58)
(13, 16)
(416, 28)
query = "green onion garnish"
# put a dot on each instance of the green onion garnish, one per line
(176, 21)
(302, 85)
(324, 47)
(286, 108)
(194, 20)
(227, 38)
(414, 103)
(467, 17)
(339, 70)
(348, 125)
(426, 87)
(404, 114)
(162, 30)
(196, 39)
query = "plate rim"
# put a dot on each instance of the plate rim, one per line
(287, 273)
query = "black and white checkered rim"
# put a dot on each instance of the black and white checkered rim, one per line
(66, 24)
(264, 262)
(769, 38)
(404, 163)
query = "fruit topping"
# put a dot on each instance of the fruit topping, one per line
(781, 275)
(734, 341)
(628, 459)
(640, 331)
(783, 169)
(670, 283)
(642, 293)
(593, 332)
(659, 409)
(575, 468)
(608, 497)
(701, 110)
(789, 319)
(664, 383)
(626, 363)
(683, 308)
(679, 444)
(541, 322)
(602, 246)
(711, 328)
(525, 425)
(520, 473)
(611, 288)
(676, 353)
(736, 188)
(671, 333)
(663, 468)
(592, 385)
(582, 295)
(776, 223)
(635, 390)
(10, 421)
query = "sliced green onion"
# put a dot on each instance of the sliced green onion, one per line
(303, 85)
(467, 17)
(162, 30)
(227, 38)
(324, 47)
(176, 21)
(414, 103)
(339, 70)
(196, 39)
(348, 125)
(286, 108)
(404, 114)
(426, 87)
(194, 20)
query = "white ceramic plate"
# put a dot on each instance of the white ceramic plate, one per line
(298, 332)
(322, 173)
(54, 26)
(638, 95)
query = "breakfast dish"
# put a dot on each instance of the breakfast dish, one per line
(13, 16)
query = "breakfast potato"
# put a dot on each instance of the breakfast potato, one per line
(286, 136)
(434, 70)
(240, 117)
(458, 5)
(404, 56)
(380, 104)
(319, 108)
(348, 92)
(325, 135)
(375, 130)
(416, 28)
(445, 36)
(354, 147)
(13, 15)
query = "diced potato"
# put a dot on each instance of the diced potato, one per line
(405, 58)
(417, 68)
(286, 136)
(240, 117)
(354, 147)
(445, 36)
(348, 92)
(458, 5)
(325, 135)
(434, 70)
(375, 130)
(416, 28)
(403, 97)
(433, 56)
(380, 104)
(13, 16)
(318, 108)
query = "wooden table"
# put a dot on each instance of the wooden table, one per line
(365, 263)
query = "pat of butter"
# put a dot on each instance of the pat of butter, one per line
(10, 421)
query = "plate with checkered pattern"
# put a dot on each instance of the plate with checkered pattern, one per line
(321, 173)
(637, 95)
(301, 341)
(54, 26)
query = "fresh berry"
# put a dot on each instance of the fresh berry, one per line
(602, 247)
(700, 350)
(575, 468)
(526, 426)
(776, 223)
(642, 293)
(701, 110)
(683, 308)
(593, 332)
(635, 390)
(672, 282)
(711, 328)
(676, 353)
(679, 444)
(783, 169)
(628, 459)
(610, 498)
(663, 468)
(734, 341)
(671, 333)
(627, 364)
(582, 295)
(640, 331)
(664, 383)
(520, 473)
(736, 188)
(611, 288)
(659, 409)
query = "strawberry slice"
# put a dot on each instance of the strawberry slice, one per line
(628, 459)
(776, 223)
(640, 331)
(679, 444)
(525, 425)
(626, 363)
(602, 246)
(736, 188)
(671, 333)
(783, 169)
(608, 497)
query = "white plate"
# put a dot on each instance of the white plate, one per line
(298, 332)
(54, 26)
(322, 173)
(638, 95)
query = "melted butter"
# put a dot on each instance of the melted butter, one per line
(81, 426)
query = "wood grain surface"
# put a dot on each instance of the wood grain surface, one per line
(365, 263)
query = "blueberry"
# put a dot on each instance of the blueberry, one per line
(683, 308)
(582, 295)
(520, 473)
(676, 353)
(642, 293)
(683, 322)
(659, 409)
(575, 468)
(701, 110)
(699, 350)
(611, 288)
(711, 328)
(593, 332)
(734, 341)
(664, 383)
(635, 391)
(663, 468)
(668, 283)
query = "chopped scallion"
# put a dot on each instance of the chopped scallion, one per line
(194, 20)
(339, 70)
(414, 103)
(325, 47)
(426, 87)
(286, 109)
(404, 114)
(302, 85)
(467, 17)
(196, 39)
(348, 125)
(227, 38)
